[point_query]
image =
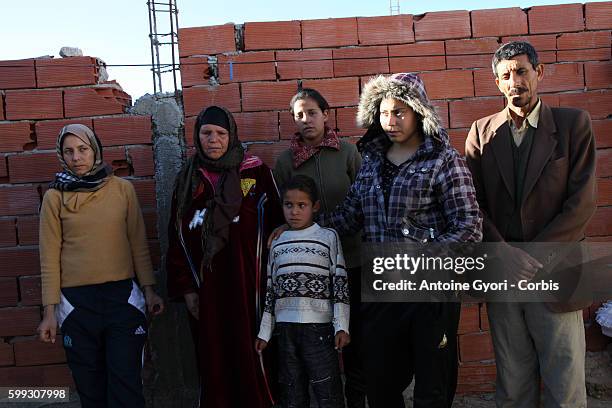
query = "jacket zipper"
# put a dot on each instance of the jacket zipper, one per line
(321, 193)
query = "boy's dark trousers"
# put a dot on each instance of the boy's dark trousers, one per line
(306, 355)
(402, 340)
(103, 337)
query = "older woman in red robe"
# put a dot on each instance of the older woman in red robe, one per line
(225, 204)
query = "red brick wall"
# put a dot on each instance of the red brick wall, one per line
(452, 51)
(37, 98)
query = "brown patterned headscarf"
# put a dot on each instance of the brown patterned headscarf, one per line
(225, 204)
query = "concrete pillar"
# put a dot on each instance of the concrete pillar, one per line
(170, 373)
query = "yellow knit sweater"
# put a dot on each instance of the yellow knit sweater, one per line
(92, 237)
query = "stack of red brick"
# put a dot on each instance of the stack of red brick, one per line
(37, 98)
(452, 51)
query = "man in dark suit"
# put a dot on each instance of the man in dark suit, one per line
(534, 173)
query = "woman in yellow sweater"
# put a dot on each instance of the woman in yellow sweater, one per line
(93, 247)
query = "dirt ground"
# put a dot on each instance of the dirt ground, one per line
(598, 381)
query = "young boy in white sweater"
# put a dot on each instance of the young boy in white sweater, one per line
(306, 301)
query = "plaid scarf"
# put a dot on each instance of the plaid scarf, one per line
(65, 181)
(302, 152)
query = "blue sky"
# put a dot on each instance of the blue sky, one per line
(117, 30)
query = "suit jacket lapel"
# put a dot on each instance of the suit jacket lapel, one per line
(541, 149)
(502, 149)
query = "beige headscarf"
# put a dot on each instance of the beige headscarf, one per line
(96, 177)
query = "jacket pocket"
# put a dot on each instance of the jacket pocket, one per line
(416, 189)
(553, 180)
(414, 231)
(562, 161)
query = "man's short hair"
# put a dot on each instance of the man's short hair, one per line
(511, 50)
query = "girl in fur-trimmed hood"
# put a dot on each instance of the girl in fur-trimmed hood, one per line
(425, 184)
(412, 187)
(407, 88)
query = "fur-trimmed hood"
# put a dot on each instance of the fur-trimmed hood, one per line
(408, 88)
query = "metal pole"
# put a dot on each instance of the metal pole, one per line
(156, 40)
(152, 52)
(158, 65)
(173, 38)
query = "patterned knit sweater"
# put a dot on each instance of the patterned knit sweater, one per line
(307, 281)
